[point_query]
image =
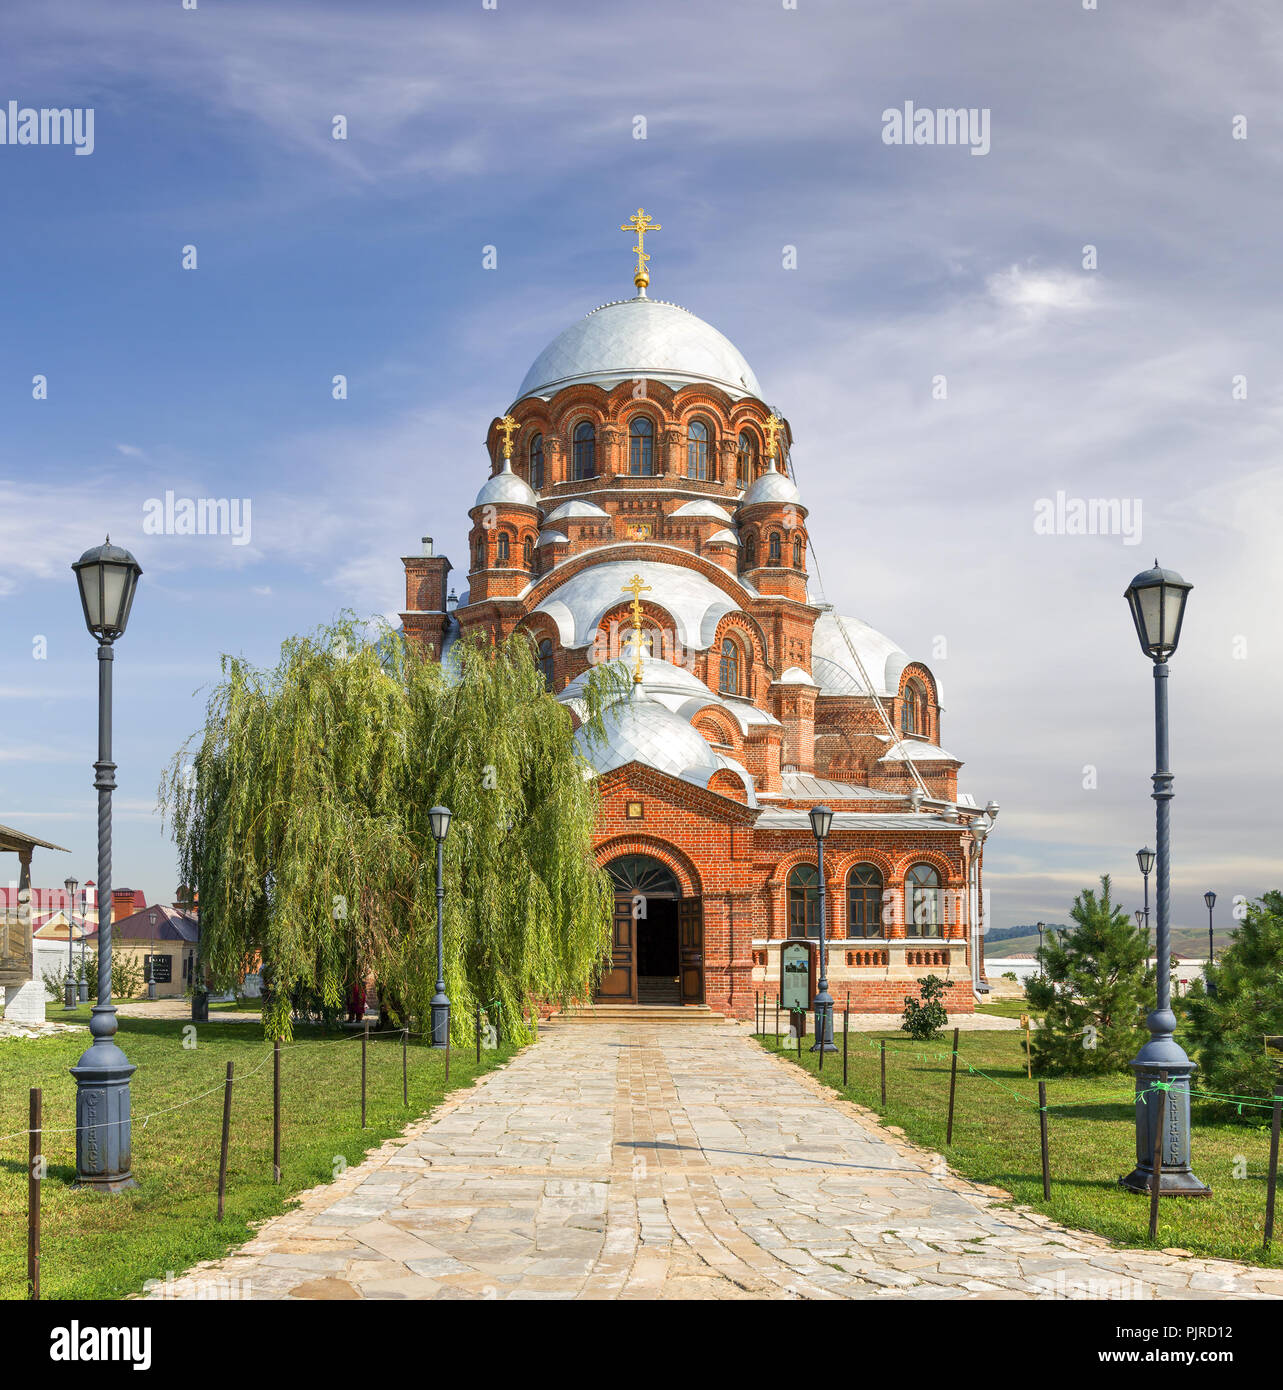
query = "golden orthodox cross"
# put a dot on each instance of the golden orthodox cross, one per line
(637, 588)
(508, 427)
(640, 223)
(773, 426)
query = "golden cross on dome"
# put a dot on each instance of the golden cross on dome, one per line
(637, 587)
(508, 427)
(773, 426)
(640, 223)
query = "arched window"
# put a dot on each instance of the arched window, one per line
(911, 711)
(728, 675)
(641, 447)
(528, 552)
(864, 901)
(697, 450)
(797, 552)
(922, 901)
(536, 462)
(804, 901)
(750, 550)
(774, 551)
(546, 662)
(501, 549)
(585, 451)
(481, 553)
(745, 460)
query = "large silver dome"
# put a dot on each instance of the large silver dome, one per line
(640, 337)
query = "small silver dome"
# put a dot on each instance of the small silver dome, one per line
(506, 489)
(641, 730)
(702, 506)
(771, 487)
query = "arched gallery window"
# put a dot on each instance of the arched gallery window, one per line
(536, 462)
(774, 551)
(912, 711)
(728, 675)
(528, 552)
(641, 447)
(584, 451)
(750, 550)
(697, 450)
(864, 901)
(501, 549)
(922, 901)
(546, 662)
(797, 552)
(745, 460)
(804, 901)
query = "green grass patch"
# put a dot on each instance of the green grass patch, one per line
(1092, 1139)
(1006, 1008)
(100, 1246)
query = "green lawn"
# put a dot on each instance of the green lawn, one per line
(96, 1246)
(1091, 1126)
(1005, 1008)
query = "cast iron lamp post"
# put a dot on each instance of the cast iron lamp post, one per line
(1041, 968)
(69, 991)
(108, 579)
(83, 982)
(439, 816)
(1157, 601)
(1145, 863)
(1210, 899)
(822, 1005)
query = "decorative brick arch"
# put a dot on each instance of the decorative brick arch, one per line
(722, 723)
(683, 868)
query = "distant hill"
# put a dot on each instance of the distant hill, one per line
(1186, 941)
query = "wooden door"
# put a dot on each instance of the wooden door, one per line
(690, 950)
(619, 983)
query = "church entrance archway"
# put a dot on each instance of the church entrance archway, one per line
(657, 954)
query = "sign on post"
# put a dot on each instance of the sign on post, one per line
(158, 969)
(797, 970)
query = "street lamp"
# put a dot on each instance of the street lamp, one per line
(439, 817)
(1210, 899)
(1157, 602)
(108, 578)
(1145, 863)
(83, 983)
(822, 1005)
(69, 991)
(1041, 970)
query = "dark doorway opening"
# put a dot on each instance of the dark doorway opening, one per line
(657, 954)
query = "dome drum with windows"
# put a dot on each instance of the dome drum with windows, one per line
(642, 506)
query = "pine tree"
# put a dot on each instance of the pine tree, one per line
(300, 812)
(1227, 1028)
(1094, 988)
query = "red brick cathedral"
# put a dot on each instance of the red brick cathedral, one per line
(641, 506)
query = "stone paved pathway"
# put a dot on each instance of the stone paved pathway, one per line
(645, 1161)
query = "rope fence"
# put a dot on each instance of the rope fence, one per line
(1158, 1089)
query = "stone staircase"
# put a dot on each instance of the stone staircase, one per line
(638, 1013)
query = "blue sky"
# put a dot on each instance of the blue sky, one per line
(513, 127)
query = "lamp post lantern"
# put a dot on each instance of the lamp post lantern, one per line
(1210, 899)
(1145, 863)
(439, 816)
(107, 577)
(1041, 926)
(69, 991)
(822, 1005)
(1156, 598)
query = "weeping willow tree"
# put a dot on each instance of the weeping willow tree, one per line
(300, 812)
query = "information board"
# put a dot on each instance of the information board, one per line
(795, 976)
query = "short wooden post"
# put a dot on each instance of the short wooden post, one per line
(777, 1024)
(884, 1073)
(276, 1110)
(821, 1028)
(953, 1088)
(1029, 1052)
(405, 1065)
(1273, 1180)
(801, 1033)
(365, 1038)
(1042, 1140)
(846, 1028)
(1156, 1172)
(227, 1129)
(478, 1034)
(35, 1165)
